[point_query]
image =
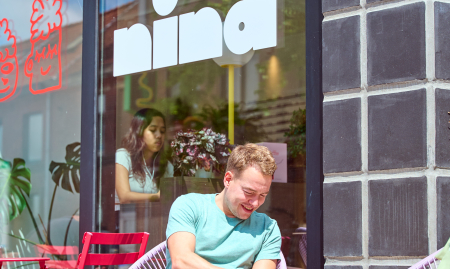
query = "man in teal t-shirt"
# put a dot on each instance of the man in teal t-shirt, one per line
(224, 230)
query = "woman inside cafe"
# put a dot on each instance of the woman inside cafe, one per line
(139, 163)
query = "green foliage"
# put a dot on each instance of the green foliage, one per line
(296, 136)
(65, 173)
(15, 183)
(245, 128)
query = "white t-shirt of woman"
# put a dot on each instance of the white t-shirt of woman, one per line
(123, 158)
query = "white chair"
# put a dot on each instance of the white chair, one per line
(429, 262)
(156, 259)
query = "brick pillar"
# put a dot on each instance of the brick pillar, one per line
(386, 81)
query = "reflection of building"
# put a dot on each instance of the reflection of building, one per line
(37, 128)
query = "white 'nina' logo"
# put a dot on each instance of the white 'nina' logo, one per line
(249, 25)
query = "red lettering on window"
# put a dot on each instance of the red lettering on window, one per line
(9, 69)
(46, 22)
(51, 51)
(39, 56)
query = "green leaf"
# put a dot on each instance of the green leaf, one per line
(63, 174)
(14, 181)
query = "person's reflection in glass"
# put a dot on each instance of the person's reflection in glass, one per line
(138, 162)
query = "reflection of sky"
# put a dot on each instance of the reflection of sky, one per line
(18, 13)
(106, 5)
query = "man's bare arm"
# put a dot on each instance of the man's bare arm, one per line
(265, 264)
(182, 252)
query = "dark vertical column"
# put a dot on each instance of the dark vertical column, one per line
(88, 170)
(314, 134)
(109, 92)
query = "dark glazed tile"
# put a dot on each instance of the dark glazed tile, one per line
(442, 39)
(398, 217)
(342, 267)
(443, 210)
(329, 5)
(341, 49)
(342, 219)
(342, 136)
(442, 128)
(389, 267)
(396, 44)
(397, 130)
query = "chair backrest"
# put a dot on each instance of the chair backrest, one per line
(89, 239)
(429, 262)
(156, 259)
(70, 253)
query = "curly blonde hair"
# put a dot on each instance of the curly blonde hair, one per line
(251, 155)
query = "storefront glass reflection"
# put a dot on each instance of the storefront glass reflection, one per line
(40, 120)
(191, 102)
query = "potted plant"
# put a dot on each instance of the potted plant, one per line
(296, 145)
(193, 151)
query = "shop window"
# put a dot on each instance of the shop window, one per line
(256, 97)
(40, 109)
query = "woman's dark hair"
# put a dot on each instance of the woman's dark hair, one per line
(134, 144)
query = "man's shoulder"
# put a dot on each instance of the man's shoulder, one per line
(261, 219)
(194, 199)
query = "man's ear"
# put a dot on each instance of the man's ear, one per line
(227, 179)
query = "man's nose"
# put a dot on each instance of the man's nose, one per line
(254, 202)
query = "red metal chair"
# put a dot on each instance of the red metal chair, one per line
(89, 239)
(71, 253)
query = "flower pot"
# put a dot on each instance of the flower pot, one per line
(173, 187)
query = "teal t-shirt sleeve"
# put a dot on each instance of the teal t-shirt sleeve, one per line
(182, 216)
(271, 246)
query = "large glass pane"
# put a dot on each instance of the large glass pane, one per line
(168, 86)
(40, 120)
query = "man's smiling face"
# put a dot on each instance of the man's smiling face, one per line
(245, 192)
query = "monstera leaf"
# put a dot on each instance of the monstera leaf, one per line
(15, 182)
(64, 173)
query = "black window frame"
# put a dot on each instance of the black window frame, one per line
(314, 135)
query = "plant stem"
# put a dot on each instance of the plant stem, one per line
(34, 221)
(68, 226)
(50, 215)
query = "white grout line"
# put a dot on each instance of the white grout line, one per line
(329, 16)
(387, 176)
(392, 5)
(342, 15)
(432, 214)
(429, 40)
(431, 162)
(345, 96)
(364, 139)
(373, 262)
